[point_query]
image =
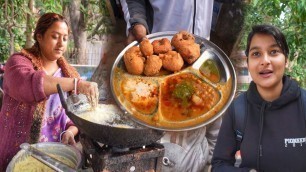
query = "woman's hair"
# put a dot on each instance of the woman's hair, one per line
(268, 30)
(43, 24)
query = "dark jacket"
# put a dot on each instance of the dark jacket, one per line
(274, 138)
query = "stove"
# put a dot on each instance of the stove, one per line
(104, 158)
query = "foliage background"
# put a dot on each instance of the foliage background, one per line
(13, 18)
(290, 17)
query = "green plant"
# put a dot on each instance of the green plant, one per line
(290, 17)
(4, 45)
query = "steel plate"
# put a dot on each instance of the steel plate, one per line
(226, 86)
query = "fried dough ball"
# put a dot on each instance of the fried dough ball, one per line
(190, 53)
(153, 65)
(134, 61)
(146, 47)
(182, 38)
(161, 46)
(172, 61)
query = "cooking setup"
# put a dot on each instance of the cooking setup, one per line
(125, 136)
(119, 144)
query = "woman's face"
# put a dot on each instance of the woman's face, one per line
(266, 62)
(54, 42)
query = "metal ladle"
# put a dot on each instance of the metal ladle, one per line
(74, 97)
(46, 159)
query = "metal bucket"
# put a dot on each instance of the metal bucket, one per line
(52, 148)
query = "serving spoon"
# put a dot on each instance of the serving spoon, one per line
(46, 159)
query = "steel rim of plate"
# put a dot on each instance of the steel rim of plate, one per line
(208, 46)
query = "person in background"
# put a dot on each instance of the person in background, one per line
(31, 110)
(185, 150)
(149, 16)
(274, 132)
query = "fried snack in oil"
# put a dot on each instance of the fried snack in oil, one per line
(153, 65)
(182, 38)
(190, 53)
(172, 61)
(161, 46)
(134, 61)
(146, 47)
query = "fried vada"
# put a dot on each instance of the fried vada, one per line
(183, 38)
(146, 47)
(190, 53)
(172, 61)
(161, 46)
(134, 61)
(153, 65)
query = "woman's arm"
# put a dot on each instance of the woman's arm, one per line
(69, 134)
(50, 82)
(23, 83)
(67, 84)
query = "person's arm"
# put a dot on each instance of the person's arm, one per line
(25, 84)
(137, 11)
(22, 82)
(135, 16)
(69, 134)
(212, 132)
(67, 84)
(224, 153)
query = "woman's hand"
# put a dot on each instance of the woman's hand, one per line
(68, 138)
(90, 89)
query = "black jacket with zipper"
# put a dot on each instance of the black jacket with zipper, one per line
(274, 134)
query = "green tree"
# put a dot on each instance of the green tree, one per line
(11, 27)
(290, 17)
(87, 18)
(18, 19)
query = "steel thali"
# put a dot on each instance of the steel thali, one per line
(212, 71)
